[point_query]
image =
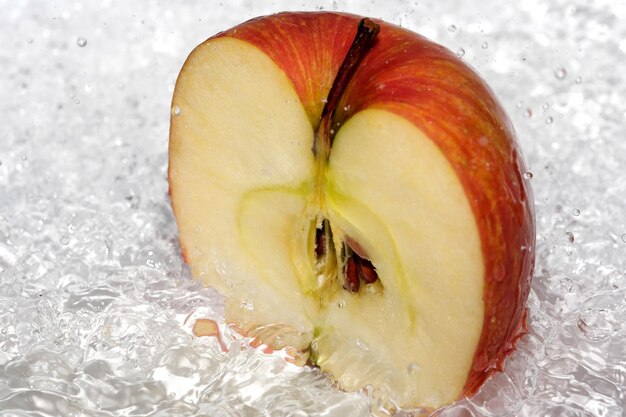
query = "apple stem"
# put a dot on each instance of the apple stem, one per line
(363, 41)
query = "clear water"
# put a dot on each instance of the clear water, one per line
(96, 306)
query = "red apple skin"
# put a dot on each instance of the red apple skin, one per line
(428, 85)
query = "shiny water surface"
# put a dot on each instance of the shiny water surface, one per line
(96, 306)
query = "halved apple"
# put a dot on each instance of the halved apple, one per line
(356, 192)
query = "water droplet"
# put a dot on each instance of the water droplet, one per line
(452, 28)
(560, 73)
(412, 368)
(484, 45)
(545, 107)
(578, 80)
(347, 107)
(460, 52)
(24, 157)
(570, 236)
(528, 175)
(65, 240)
(324, 100)
(175, 111)
(549, 120)
(624, 238)
(341, 304)
(528, 113)
(362, 345)
(81, 42)
(576, 212)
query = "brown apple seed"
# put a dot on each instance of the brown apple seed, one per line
(352, 282)
(366, 271)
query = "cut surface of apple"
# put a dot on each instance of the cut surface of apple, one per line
(348, 233)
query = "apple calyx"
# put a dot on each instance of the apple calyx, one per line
(356, 266)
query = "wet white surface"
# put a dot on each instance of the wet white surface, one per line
(96, 307)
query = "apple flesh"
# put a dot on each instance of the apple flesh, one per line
(362, 202)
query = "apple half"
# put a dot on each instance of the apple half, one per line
(357, 193)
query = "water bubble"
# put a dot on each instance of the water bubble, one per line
(560, 73)
(528, 113)
(175, 111)
(570, 236)
(484, 45)
(576, 212)
(545, 107)
(81, 42)
(341, 303)
(452, 28)
(347, 107)
(324, 100)
(528, 175)
(549, 120)
(412, 368)
(624, 238)
(65, 240)
(460, 52)
(578, 80)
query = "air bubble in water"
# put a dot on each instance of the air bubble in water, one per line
(460, 52)
(570, 236)
(175, 111)
(65, 240)
(578, 80)
(528, 175)
(81, 42)
(452, 28)
(484, 45)
(576, 212)
(624, 238)
(549, 120)
(528, 113)
(560, 73)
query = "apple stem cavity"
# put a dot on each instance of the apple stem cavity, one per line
(363, 41)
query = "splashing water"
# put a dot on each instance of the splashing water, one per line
(97, 309)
